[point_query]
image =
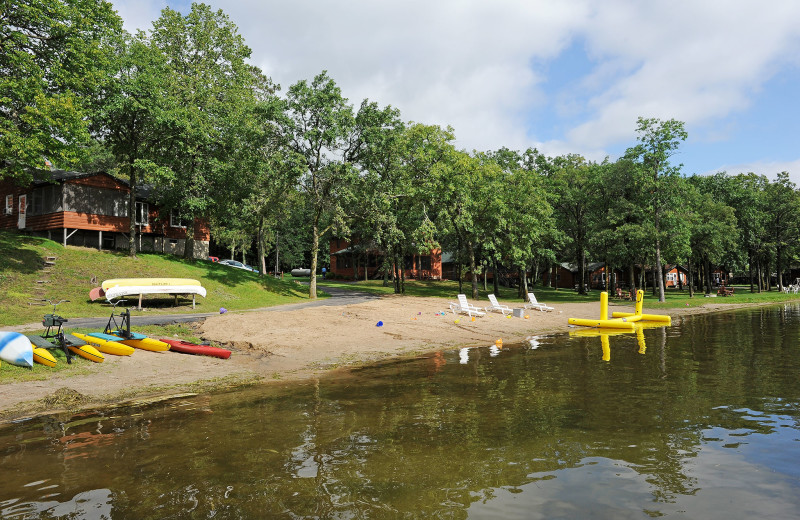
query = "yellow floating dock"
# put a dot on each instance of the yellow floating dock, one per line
(621, 320)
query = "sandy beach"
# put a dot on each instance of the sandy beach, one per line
(291, 345)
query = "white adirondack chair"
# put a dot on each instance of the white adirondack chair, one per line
(533, 304)
(495, 306)
(463, 306)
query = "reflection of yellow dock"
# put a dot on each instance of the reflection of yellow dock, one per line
(605, 333)
(621, 320)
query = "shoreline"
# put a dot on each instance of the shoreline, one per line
(294, 345)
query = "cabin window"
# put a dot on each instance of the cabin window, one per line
(9, 204)
(173, 241)
(176, 219)
(425, 262)
(142, 214)
(46, 199)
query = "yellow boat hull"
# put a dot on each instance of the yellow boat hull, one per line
(114, 348)
(43, 357)
(146, 344)
(143, 282)
(88, 352)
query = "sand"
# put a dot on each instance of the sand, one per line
(291, 345)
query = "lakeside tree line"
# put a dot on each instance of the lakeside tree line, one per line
(180, 107)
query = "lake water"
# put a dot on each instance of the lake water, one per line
(696, 420)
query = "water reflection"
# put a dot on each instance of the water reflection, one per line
(702, 424)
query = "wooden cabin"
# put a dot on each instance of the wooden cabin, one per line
(91, 210)
(349, 260)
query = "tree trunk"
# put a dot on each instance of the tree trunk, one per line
(658, 269)
(188, 250)
(495, 281)
(524, 284)
(474, 274)
(312, 283)
(132, 213)
(262, 261)
(582, 272)
(691, 280)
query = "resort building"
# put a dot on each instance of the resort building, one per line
(91, 210)
(352, 260)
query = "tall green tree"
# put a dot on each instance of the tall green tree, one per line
(54, 59)
(658, 141)
(211, 90)
(320, 128)
(130, 114)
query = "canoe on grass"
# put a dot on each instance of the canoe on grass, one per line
(106, 346)
(141, 341)
(192, 348)
(87, 352)
(43, 357)
(16, 349)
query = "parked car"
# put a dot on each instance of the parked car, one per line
(234, 263)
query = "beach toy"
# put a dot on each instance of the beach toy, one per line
(419, 314)
(473, 318)
(223, 310)
(379, 324)
(456, 322)
(508, 316)
(499, 342)
(527, 316)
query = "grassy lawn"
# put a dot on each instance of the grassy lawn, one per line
(24, 282)
(449, 289)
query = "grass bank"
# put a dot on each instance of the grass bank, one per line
(449, 289)
(25, 281)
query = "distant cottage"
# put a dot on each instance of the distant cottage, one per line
(91, 210)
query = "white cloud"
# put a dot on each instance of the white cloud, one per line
(768, 168)
(480, 66)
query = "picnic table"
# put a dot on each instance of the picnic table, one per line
(725, 291)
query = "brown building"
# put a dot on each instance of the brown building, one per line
(350, 261)
(91, 210)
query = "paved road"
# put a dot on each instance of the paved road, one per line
(338, 297)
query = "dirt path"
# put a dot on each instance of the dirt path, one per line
(289, 343)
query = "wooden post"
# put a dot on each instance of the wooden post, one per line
(100, 240)
(140, 303)
(193, 297)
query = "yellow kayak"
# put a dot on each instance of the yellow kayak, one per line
(88, 352)
(144, 282)
(106, 346)
(43, 357)
(146, 344)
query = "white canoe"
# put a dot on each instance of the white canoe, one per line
(144, 282)
(126, 290)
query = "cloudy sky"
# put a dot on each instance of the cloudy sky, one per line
(564, 76)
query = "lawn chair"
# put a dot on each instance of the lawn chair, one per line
(495, 306)
(533, 304)
(464, 306)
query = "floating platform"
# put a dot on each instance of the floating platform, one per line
(621, 320)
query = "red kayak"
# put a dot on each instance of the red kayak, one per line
(191, 348)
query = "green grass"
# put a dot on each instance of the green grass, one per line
(449, 289)
(21, 268)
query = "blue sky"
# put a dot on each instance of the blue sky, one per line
(564, 76)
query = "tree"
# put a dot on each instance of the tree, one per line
(130, 114)
(209, 94)
(54, 57)
(320, 130)
(658, 141)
